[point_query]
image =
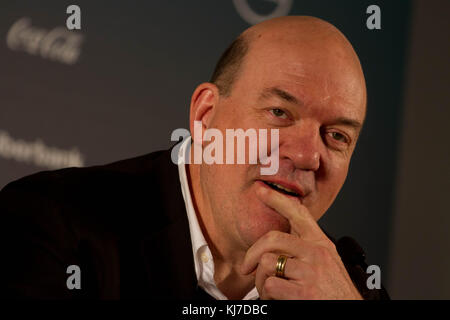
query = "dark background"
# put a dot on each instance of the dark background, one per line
(141, 60)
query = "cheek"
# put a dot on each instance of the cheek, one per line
(331, 186)
(225, 186)
(237, 210)
(329, 183)
(335, 169)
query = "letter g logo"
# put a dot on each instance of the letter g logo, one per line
(248, 14)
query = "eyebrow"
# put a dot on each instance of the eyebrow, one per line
(274, 91)
(348, 122)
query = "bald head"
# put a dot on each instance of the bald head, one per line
(309, 37)
(296, 28)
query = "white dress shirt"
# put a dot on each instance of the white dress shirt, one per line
(203, 259)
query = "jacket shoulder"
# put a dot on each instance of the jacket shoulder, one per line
(82, 216)
(72, 175)
(114, 195)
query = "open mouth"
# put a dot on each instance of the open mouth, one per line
(281, 189)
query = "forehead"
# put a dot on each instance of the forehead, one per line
(316, 74)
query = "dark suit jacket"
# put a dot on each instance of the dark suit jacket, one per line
(124, 224)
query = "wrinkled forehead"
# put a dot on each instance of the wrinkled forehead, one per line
(324, 67)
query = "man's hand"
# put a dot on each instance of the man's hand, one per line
(314, 269)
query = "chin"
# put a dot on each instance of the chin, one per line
(259, 222)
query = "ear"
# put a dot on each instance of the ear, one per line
(203, 105)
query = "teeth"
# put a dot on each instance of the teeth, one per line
(282, 188)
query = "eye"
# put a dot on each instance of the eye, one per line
(338, 137)
(279, 113)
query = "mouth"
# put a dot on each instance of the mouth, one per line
(281, 189)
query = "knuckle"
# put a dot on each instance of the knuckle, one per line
(266, 259)
(269, 286)
(322, 253)
(273, 236)
(330, 245)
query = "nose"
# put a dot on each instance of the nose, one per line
(301, 144)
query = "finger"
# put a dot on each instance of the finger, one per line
(301, 221)
(265, 270)
(281, 289)
(294, 270)
(276, 242)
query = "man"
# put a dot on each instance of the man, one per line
(145, 228)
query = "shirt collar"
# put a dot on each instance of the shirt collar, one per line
(197, 239)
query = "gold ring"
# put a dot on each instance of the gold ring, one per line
(281, 263)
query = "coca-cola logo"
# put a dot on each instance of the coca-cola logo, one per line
(58, 44)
